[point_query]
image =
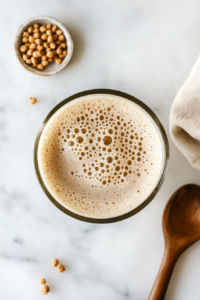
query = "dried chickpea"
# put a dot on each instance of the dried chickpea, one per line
(50, 59)
(55, 37)
(61, 56)
(28, 61)
(61, 38)
(36, 25)
(59, 51)
(46, 45)
(30, 52)
(35, 65)
(54, 28)
(43, 28)
(40, 47)
(25, 57)
(48, 49)
(64, 53)
(32, 100)
(35, 30)
(59, 32)
(50, 39)
(38, 41)
(31, 39)
(55, 262)
(26, 34)
(42, 281)
(49, 32)
(63, 45)
(23, 48)
(36, 35)
(58, 61)
(27, 45)
(58, 42)
(44, 36)
(52, 45)
(35, 54)
(33, 46)
(45, 63)
(45, 289)
(49, 26)
(50, 54)
(25, 40)
(44, 57)
(30, 29)
(34, 60)
(61, 268)
(40, 67)
(39, 53)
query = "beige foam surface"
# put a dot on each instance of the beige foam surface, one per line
(100, 156)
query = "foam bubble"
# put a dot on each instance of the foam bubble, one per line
(100, 156)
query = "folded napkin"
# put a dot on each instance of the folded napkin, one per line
(185, 117)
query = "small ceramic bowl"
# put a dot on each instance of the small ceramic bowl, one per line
(52, 68)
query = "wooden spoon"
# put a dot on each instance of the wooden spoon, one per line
(181, 228)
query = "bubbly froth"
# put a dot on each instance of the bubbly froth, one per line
(100, 156)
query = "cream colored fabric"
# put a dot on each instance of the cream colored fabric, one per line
(185, 117)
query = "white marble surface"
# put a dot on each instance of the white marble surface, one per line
(145, 48)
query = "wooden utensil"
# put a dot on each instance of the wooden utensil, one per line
(181, 228)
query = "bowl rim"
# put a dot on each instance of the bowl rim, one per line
(66, 33)
(162, 175)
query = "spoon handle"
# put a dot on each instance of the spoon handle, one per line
(164, 275)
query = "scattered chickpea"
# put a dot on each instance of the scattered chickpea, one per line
(40, 67)
(42, 280)
(45, 289)
(32, 100)
(23, 48)
(61, 268)
(58, 61)
(59, 32)
(61, 38)
(55, 262)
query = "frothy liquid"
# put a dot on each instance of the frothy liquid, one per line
(100, 156)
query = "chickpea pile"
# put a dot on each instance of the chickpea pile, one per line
(43, 44)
